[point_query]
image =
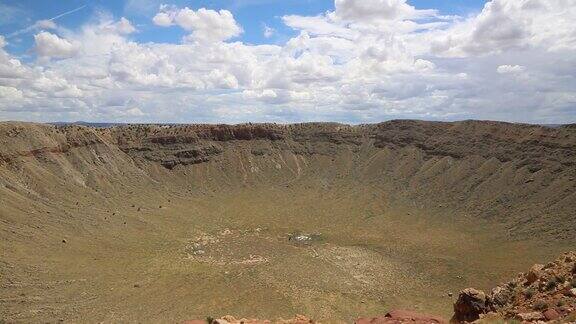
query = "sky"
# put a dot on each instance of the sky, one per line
(235, 61)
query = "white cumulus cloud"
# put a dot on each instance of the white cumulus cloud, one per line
(204, 24)
(375, 10)
(50, 45)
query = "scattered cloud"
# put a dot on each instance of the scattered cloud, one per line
(205, 25)
(268, 31)
(124, 26)
(365, 61)
(51, 46)
(378, 10)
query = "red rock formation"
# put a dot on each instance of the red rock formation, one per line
(544, 293)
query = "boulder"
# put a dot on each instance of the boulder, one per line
(534, 273)
(470, 305)
(551, 314)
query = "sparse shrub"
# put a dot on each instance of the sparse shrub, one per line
(574, 268)
(570, 318)
(541, 305)
(573, 282)
(552, 283)
(210, 319)
(529, 293)
(560, 303)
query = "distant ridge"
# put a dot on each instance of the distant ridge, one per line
(113, 124)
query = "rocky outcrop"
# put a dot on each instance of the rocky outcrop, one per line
(470, 305)
(544, 293)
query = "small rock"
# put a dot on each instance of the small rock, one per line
(64, 241)
(450, 294)
(572, 292)
(136, 286)
(551, 314)
(530, 317)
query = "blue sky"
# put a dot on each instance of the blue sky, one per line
(252, 15)
(352, 61)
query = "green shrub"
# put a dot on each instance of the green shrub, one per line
(529, 293)
(552, 283)
(540, 305)
(210, 319)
